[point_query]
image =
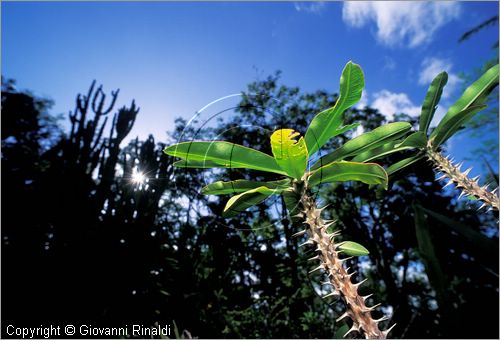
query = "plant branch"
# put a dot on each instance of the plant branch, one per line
(338, 276)
(469, 186)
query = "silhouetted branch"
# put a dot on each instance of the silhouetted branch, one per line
(478, 28)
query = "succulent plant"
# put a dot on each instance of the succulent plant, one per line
(292, 160)
(426, 145)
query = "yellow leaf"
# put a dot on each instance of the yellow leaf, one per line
(290, 153)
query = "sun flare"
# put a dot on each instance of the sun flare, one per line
(138, 177)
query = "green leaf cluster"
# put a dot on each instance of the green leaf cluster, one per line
(291, 152)
(462, 111)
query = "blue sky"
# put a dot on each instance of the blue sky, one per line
(175, 57)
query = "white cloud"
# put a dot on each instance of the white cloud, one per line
(310, 7)
(390, 103)
(431, 67)
(401, 22)
(359, 131)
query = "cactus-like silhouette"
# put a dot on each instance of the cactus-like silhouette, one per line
(85, 143)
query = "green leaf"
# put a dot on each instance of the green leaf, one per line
(431, 101)
(426, 249)
(444, 131)
(476, 94)
(415, 140)
(480, 241)
(325, 124)
(403, 164)
(346, 128)
(381, 151)
(485, 248)
(241, 185)
(197, 164)
(368, 173)
(227, 155)
(353, 248)
(366, 141)
(290, 154)
(341, 331)
(243, 201)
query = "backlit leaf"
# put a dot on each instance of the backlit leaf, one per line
(431, 100)
(353, 249)
(245, 200)
(290, 153)
(326, 124)
(366, 141)
(403, 164)
(198, 164)
(475, 95)
(415, 140)
(368, 173)
(379, 152)
(452, 125)
(241, 185)
(227, 155)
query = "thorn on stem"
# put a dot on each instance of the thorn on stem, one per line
(450, 182)
(345, 259)
(342, 317)
(386, 332)
(353, 328)
(366, 297)
(309, 241)
(373, 307)
(314, 258)
(317, 268)
(334, 293)
(381, 319)
(356, 285)
(300, 233)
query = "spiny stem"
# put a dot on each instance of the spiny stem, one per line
(338, 276)
(469, 186)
